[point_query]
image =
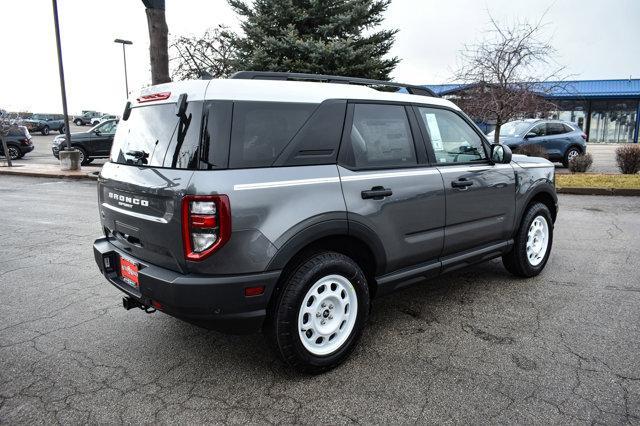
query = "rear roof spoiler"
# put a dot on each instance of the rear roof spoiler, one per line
(294, 76)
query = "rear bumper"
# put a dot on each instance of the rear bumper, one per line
(214, 302)
(24, 149)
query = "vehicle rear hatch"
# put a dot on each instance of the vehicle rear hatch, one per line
(140, 190)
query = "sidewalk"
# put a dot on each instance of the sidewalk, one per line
(46, 170)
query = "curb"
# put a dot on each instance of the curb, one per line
(55, 175)
(625, 192)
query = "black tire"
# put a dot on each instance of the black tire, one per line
(569, 153)
(14, 152)
(78, 122)
(45, 130)
(61, 130)
(518, 261)
(281, 327)
(84, 159)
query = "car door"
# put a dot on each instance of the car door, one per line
(389, 188)
(556, 140)
(537, 135)
(479, 195)
(102, 138)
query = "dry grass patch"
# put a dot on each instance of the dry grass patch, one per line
(596, 180)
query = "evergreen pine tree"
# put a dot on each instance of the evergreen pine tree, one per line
(334, 37)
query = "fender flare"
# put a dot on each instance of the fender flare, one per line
(542, 186)
(305, 234)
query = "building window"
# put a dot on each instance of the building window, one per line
(613, 121)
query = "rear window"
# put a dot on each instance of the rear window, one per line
(153, 136)
(261, 130)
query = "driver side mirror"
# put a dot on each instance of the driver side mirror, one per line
(96, 132)
(530, 135)
(501, 154)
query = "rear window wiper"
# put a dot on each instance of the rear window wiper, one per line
(139, 156)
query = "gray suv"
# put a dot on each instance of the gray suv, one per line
(260, 203)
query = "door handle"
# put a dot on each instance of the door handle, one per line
(376, 193)
(461, 183)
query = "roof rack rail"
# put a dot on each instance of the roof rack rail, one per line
(270, 75)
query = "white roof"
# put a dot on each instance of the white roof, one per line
(280, 91)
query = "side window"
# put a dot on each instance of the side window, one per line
(452, 139)
(108, 128)
(555, 128)
(261, 130)
(539, 129)
(567, 128)
(380, 137)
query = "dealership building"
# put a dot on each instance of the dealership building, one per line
(608, 111)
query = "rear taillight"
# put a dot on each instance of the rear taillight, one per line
(206, 224)
(25, 142)
(584, 136)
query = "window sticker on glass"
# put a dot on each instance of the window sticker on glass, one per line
(434, 131)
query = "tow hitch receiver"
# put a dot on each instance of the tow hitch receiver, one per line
(130, 303)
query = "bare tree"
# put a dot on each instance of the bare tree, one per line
(502, 73)
(158, 41)
(210, 55)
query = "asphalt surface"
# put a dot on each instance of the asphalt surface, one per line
(475, 346)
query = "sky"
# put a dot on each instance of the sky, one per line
(594, 39)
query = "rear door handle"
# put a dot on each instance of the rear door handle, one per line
(461, 183)
(376, 193)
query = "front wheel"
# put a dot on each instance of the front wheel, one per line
(45, 130)
(532, 244)
(320, 313)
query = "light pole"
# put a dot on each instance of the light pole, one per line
(124, 55)
(69, 159)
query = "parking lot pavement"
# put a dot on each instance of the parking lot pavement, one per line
(476, 346)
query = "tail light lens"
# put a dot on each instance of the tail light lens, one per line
(584, 136)
(206, 224)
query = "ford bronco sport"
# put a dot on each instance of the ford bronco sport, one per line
(260, 203)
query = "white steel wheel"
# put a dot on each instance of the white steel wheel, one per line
(537, 240)
(327, 315)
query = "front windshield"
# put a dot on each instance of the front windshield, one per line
(514, 129)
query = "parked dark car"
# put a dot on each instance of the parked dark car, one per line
(44, 123)
(18, 142)
(85, 118)
(95, 143)
(562, 140)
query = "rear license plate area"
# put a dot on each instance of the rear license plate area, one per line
(129, 271)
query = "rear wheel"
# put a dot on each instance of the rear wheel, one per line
(45, 130)
(320, 313)
(571, 153)
(84, 159)
(14, 152)
(78, 122)
(61, 130)
(532, 243)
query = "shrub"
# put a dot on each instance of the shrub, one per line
(628, 159)
(580, 163)
(532, 151)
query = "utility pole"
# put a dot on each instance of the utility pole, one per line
(124, 55)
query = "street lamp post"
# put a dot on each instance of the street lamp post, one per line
(124, 55)
(69, 159)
